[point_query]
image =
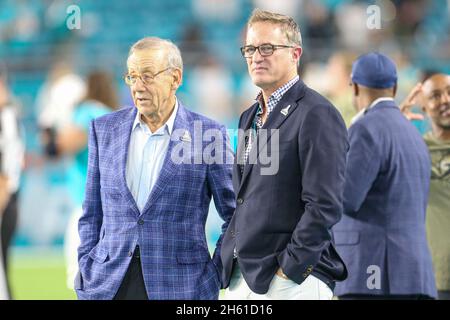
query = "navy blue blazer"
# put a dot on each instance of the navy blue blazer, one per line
(284, 220)
(382, 233)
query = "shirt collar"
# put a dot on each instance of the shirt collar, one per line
(169, 124)
(362, 112)
(277, 94)
(382, 99)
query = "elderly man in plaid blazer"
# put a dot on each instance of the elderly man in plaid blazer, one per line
(151, 176)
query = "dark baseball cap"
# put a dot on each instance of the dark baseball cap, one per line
(374, 70)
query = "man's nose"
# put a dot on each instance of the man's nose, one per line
(446, 97)
(257, 57)
(139, 85)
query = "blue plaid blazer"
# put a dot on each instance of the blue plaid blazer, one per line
(170, 230)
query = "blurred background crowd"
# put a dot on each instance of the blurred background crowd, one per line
(54, 77)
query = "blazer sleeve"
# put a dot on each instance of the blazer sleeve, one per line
(323, 144)
(90, 222)
(220, 184)
(363, 165)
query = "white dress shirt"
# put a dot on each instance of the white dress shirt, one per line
(12, 148)
(146, 154)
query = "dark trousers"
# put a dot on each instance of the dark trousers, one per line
(133, 286)
(7, 230)
(444, 295)
(382, 297)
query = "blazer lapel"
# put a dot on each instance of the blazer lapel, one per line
(241, 140)
(123, 129)
(279, 114)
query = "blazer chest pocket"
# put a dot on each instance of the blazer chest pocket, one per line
(111, 194)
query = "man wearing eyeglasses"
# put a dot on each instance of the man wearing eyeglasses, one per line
(142, 230)
(278, 244)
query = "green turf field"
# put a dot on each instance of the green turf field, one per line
(39, 275)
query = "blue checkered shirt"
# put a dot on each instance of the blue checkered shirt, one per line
(257, 122)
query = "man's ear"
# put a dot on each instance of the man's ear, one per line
(177, 79)
(422, 102)
(395, 90)
(355, 89)
(297, 53)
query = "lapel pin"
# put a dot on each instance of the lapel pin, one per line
(186, 137)
(285, 111)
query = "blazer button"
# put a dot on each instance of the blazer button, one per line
(240, 201)
(140, 222)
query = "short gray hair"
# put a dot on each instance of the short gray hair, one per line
(287, 24)
(174, 59)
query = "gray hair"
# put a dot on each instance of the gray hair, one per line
(174, 59)
(287, 24)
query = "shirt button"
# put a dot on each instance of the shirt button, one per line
(140, 222)
(130, 253)
(240, 201)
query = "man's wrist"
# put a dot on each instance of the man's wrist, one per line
(281, 274)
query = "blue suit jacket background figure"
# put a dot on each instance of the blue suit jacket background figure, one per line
(170, 230)
(382, 232)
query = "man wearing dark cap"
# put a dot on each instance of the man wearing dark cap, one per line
(382, 237)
